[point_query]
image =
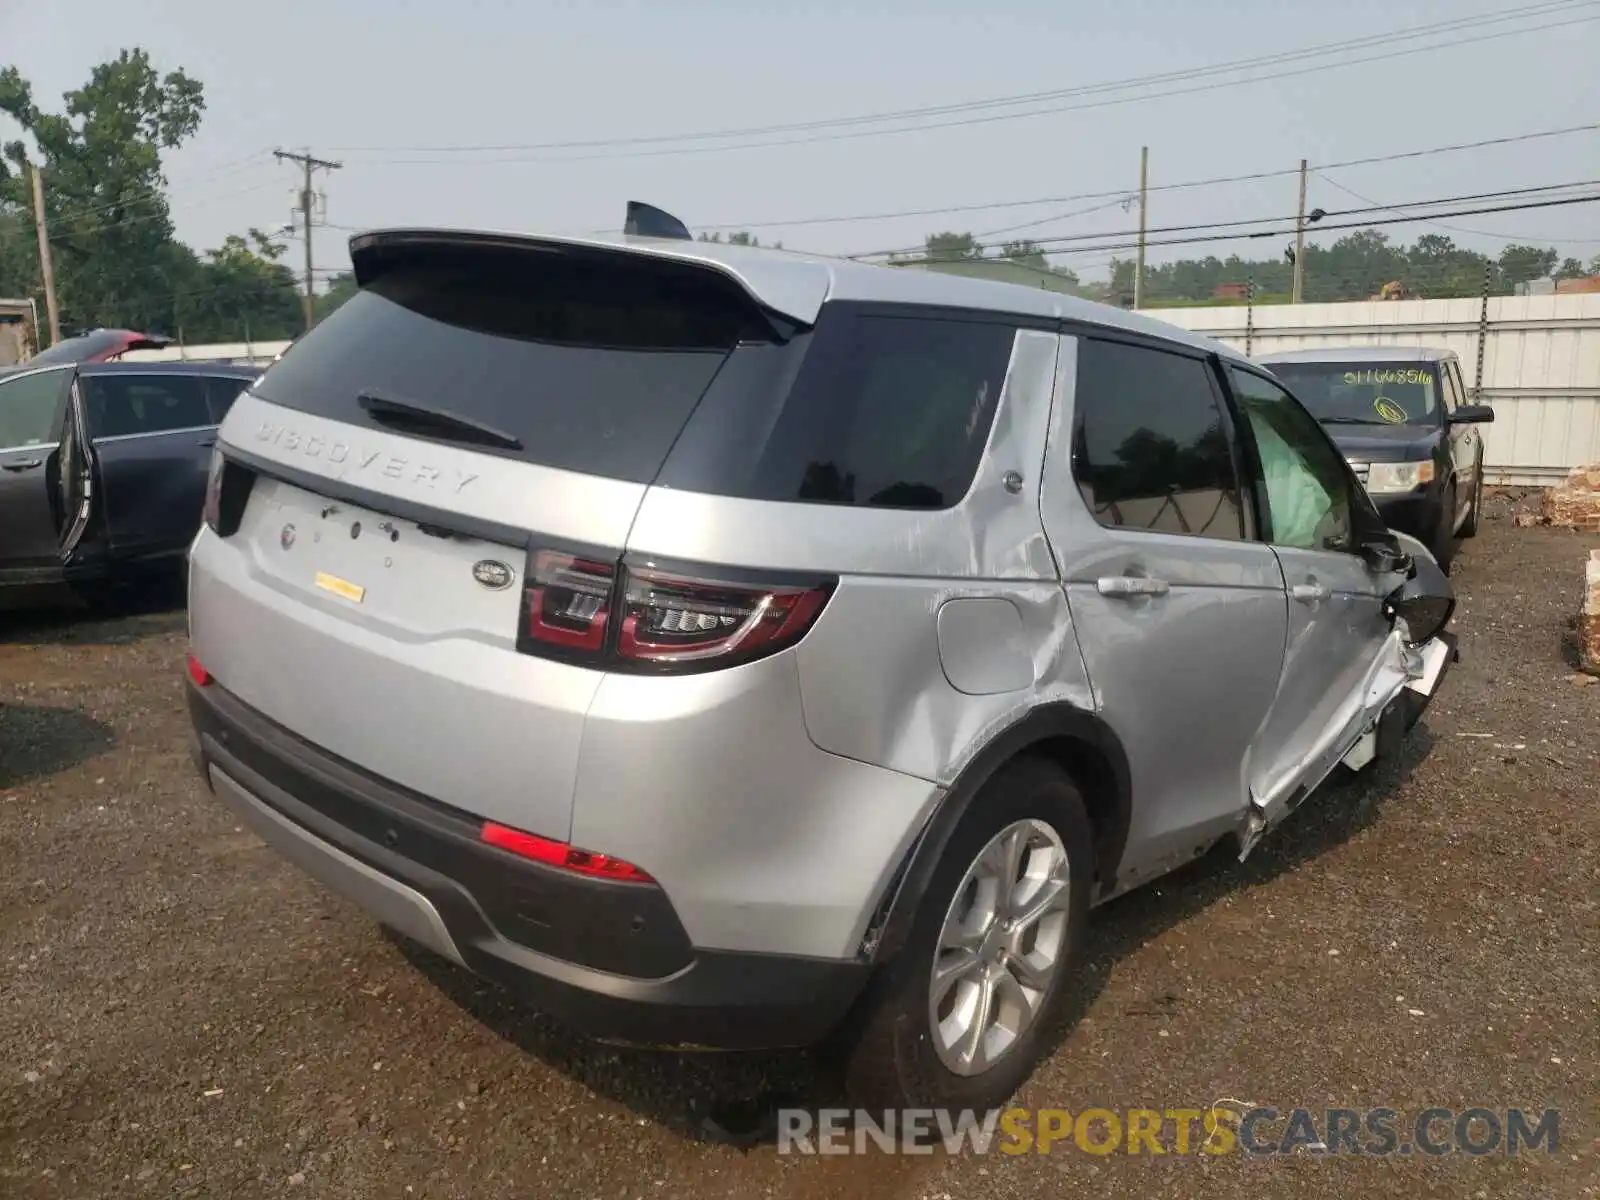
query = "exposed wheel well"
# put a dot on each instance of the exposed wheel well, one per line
(1102, 797)
(1076, 741)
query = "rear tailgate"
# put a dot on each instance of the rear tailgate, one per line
(405, 457)
(371, 635)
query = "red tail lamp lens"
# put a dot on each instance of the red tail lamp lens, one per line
(667, 619)
(585, 607)
(198, 673)
(559, 854)
(567, 601)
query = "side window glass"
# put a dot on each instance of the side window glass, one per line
(1149, 449)
(221, 392)
(886, 412)
(120, 405)
(1452, 386)
(1307, 485)
(31, 408)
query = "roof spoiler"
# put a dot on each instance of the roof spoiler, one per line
(645, 220)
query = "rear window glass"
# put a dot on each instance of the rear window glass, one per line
(593, 363)
(884, 411)
(119, 405)
(221, 392)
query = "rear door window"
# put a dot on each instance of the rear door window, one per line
(885, 410)
(1149, 447)
(124, 405)
(593, 364)
(221, 392)
(31, 408)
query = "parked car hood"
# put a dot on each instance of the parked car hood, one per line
(1384, 443)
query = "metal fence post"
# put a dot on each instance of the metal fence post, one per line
(1249, 315)
(1483, 333)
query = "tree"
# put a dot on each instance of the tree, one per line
(1519, 263)
(1025, 252)
(340, 288)
(1570, 268)
(242, 292)
(116, 261)
(951, 247)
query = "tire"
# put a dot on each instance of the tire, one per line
(890, 1058)
(1469, 528)
(1444, 543)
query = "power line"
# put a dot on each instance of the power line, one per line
(1380, 207)
(162, 191)
(1047, 243)
(1238, 224)
(1321, 50)
(981, 119)
(1251, 177)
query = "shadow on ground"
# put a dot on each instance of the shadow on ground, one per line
(148, 609)
(37, 741)
(733, 1098)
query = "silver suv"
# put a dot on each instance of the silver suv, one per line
(733, 648)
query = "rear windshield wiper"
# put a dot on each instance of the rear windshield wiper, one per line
(407, 412)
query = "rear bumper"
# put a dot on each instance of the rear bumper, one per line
(416, 867)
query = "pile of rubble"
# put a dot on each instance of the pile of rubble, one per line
(1575, 504)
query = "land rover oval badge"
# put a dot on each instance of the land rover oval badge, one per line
(286, 536)
(493, 575)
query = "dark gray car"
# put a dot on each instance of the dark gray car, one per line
(103, 466)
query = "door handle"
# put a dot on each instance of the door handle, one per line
(23, 464)
(1129, 586)
(1309, 593)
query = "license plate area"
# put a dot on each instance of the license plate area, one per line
(383, 569)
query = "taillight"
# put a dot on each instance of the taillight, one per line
(668, 618)
(645, 616)
(560, 854)
(198, 673)
(213, 505)
(228, 486)
(566, 603)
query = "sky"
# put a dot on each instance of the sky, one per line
(393, 89)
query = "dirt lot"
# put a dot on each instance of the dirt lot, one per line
(182, 1013)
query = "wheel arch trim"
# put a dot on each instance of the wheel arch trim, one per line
(1111, 814)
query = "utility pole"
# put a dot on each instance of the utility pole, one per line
(309, 164)
(46, 267)
(1144, 201)
(1300, 240)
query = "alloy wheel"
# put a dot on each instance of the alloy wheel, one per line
(1000, 946)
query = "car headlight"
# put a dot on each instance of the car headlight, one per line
(1399, 477)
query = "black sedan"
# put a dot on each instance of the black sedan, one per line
(103, 468)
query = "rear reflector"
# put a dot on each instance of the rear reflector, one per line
(198, 673)
(621, 614)
(559, 854)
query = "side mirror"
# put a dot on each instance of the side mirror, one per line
(1472, 414)
(1386, 558)
(1425, 602)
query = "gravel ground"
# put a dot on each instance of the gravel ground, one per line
(184, 1014)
